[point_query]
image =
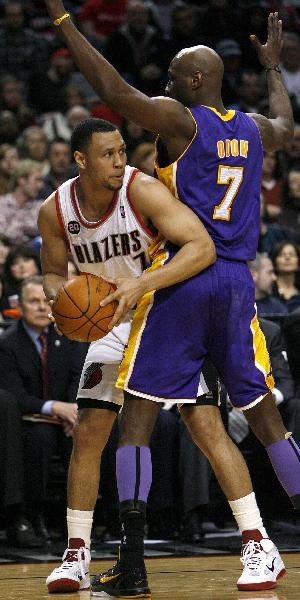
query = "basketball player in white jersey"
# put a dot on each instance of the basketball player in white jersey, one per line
(107, 218)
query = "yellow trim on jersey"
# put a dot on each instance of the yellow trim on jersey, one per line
(167, 175)
(138, 325)
(228, 117)
(261, 356)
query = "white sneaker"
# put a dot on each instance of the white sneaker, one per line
(73, 574)
(262, 564)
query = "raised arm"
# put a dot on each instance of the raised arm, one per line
(155, 114)
(276, 130)
(54, 252)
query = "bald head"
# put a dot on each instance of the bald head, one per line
(201, 58)
(197, 73)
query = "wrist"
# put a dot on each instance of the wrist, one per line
(272, 67)
(144, 283)
(61, 18)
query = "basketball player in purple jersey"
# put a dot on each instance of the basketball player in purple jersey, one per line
(220, 321)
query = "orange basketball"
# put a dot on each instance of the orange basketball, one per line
(77, 309)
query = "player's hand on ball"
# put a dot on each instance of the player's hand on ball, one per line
(52, 319)
(269, 53)
(128, 292)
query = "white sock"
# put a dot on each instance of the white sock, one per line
(246, 514)
(80, 525)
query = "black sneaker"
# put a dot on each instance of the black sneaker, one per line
(131, 583)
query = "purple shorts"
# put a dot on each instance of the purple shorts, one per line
(212, 314)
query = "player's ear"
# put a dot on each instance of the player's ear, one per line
(197, 80)
(79, 159)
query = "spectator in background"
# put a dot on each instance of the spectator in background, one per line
(292, 149)
(59, 156)
(264, 278)
(290, 66)
(73, 94)
(59, 125)
(42, 382)
(286, 261)
(19, 46)
(99, 18)
(12, 98)
(161, 12)
(264, 480)
(46, 89)
(21, 262)
(5, 246)
(134, 135)
(143, 157)
(272, 233)
(11, 474)
(9, 128)
(221, 19)
(19, 208)
(136, 50)
(75, 115)
(253, 21)
(271, 186)
(8, 161)
(291, 330)
(230, 52)
(250, 92)
(290, 216)
(185, 31)
(33, 145)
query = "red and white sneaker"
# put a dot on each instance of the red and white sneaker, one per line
(262, 562)
(73, 574)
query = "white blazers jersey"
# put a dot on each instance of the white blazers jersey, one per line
(116, 245)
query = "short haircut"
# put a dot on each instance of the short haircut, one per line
(25, 168)
(83, 132)
(34, 280)
(256, 264)
(23, 250)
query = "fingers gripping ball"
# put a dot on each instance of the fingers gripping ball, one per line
(77, 309)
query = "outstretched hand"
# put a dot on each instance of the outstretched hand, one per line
(128, 292)
(269, 53)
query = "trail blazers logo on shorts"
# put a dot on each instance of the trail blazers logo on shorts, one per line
(92, 376)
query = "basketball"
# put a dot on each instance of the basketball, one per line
(77, 309)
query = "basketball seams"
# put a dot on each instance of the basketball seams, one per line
(89, 323)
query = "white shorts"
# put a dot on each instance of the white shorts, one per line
(100, 369)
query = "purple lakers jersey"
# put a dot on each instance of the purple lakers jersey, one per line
(219, 176)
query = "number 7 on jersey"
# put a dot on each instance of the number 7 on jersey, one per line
(232, 176)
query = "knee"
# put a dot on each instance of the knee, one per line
(207, 429)
(266, 422)
(87, 439)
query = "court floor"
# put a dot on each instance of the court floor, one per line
(171, 578)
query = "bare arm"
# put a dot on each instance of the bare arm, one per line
(154, 114)
(279, 128)
(177, 223)
(54, 252)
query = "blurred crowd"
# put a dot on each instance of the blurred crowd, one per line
(43, 97)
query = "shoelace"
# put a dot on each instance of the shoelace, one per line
(251, 554)
(74, 555)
